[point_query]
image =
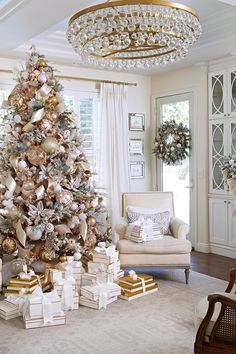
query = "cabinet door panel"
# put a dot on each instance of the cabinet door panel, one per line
(232, 93)
(232, 224)
(218, 221)
(218, 148)
(232, 136)
(217, 95)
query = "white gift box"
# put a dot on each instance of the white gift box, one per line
(95, 304)
(103, 258)
(95, 291)
(36, 304)
(93, 267)
(9, 310)
(59, 319)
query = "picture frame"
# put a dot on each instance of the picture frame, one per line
(136, 121)
(136, 169)
(136, 147)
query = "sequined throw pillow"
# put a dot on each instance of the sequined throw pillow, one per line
(161, 218)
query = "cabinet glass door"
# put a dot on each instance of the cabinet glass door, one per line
(217, 152)
(232, 135)
(217, 94)
(232, 93)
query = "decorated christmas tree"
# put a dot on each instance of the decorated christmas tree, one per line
(48, 205)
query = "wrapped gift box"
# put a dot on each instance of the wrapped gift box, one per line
(93, 267)
(9, 310)
(58, 319)
(60, 288)
(96, 304)
(95, 291)
(18, 285)
(105, 259)
(35, 304)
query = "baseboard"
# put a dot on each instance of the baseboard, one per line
(203, 247)
(223, 250)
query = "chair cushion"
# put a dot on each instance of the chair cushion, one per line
(168, 245)
(202, 308)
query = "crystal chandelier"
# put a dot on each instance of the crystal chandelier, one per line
(133, 34)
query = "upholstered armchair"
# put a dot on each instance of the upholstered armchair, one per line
(173, 251)
(215, 319)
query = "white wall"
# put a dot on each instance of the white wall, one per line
(191, 79)
(138, 101)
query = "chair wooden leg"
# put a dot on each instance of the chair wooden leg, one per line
(187, 271)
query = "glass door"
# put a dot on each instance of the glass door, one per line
(178, 178)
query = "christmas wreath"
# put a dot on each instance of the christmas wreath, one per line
(172, 143)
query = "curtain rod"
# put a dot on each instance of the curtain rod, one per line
(84, 79)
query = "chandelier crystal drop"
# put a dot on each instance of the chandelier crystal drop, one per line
(133, 34)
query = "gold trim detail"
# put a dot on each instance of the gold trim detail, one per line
(67, 77)
(133, 2)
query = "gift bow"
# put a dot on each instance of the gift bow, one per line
(47, 299)
(108, 251)
(134, 276)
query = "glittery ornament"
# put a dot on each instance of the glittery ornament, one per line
(41, 63)
(63, 258)
(74, 206)
(9, 245)
(47, 256)
(36, 156)
(65, 197)
(91, 221)
(28, 187)
(53, 100)
(45, 124)
(50, 145)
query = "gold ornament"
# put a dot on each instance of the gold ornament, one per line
(41, 63)
(36, 156)
(65, 197)
(53, 100)
(91, 221)
(46, 256)
(63, 258)
(15, 100)
(50, 145)
(9, 245)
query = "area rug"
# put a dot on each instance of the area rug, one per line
(161, 323)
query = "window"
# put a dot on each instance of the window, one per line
(86, 107)
(3, 118)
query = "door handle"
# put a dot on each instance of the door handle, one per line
(189, 187)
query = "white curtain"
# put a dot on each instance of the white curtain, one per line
(114, 167)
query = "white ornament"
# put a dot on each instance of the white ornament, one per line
(74, 206)
(62, 149)
(82, 216)
(82, 206)
(42, 78)
(17, 118)
(34, 234)
(231, 162)
(57, 187)
(21, 165)
(94, 203)
(77, 256)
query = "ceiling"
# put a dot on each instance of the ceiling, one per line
(26, 22)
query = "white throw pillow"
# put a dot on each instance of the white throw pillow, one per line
(157, 216)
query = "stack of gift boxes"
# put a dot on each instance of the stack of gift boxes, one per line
(98, 288)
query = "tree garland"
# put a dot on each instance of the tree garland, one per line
(172, 143)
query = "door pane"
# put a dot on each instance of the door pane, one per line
(177, 178)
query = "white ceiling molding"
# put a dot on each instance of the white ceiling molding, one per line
(9, 6)
(229, 2)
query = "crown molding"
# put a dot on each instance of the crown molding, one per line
(10, 7)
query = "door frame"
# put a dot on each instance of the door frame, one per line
(193, 126)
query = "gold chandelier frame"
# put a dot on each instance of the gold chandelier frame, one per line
(145, 51)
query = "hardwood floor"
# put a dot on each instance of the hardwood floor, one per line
(212, 264)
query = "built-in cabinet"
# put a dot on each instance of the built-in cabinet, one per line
(222, 142)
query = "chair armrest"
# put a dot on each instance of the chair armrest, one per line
(179, 229)
(231, 280)
(120, 228)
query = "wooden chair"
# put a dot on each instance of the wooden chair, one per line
(222, 337)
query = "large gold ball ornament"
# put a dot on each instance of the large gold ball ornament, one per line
(9, 245)
(53, 100)
(91, 221)
(50, 145)
(36, 156)
(65, 198)
(63, 258)
(41, 63)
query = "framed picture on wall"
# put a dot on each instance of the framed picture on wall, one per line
(136, 169)
(136, 121)
(136, 146)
